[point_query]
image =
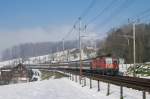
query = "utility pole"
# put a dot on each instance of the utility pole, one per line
(63, 50)
(134, 46)
(63, 45)
(80, 49)
(57, 54)
(134, 50)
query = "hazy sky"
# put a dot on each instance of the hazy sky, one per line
(49, 20)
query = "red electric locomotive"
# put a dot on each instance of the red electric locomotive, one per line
(105, 65)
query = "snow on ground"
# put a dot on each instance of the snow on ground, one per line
(128, 93)
(63, 89)
(48, 89)
(124, 67)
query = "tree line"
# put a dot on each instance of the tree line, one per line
(119, 43)
(35, 49)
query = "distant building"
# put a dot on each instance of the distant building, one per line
(5, 76)
(19, 74)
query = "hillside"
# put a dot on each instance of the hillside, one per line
(35, 49)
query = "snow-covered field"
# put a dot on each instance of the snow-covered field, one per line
(48, 89)
(128, 93)
(55, 57)
(63, 89)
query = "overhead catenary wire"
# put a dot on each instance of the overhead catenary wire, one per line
(142, 14)
(84, 13)
(70, 31)
(143, 17)
(102, 11)
(145, 20)
(116, 12)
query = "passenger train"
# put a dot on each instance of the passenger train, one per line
(105, 65)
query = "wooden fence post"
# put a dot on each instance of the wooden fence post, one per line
(121, 92)
(108, 89)
(90, 83)
(144, 95)
(76, 78)
(98, 85)
(84, 81)
(72, 77)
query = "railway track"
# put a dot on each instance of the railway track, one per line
(141, 84)
(124, 81)
(130, 82)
